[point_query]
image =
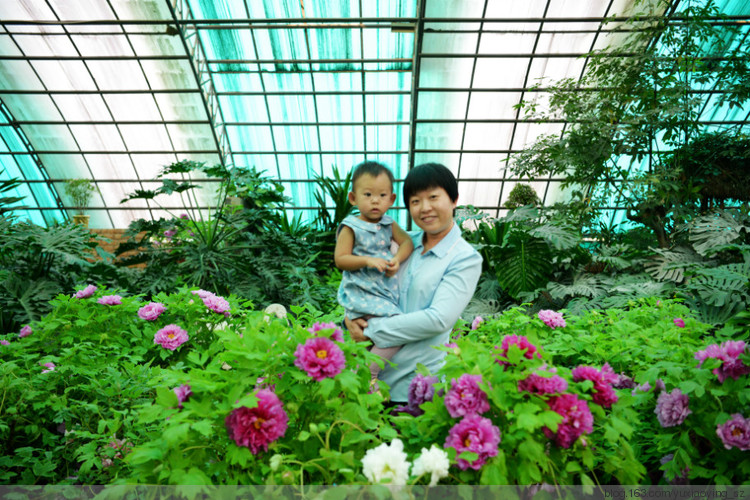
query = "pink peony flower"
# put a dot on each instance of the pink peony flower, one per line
(320, 358)
(551, 318)
(465, 397)
(679, 322)
(728, 352)
(184, 216)
(577, 419)
(735, 432)
(169, 233)
(25, 332)
(337, 334)
(49, 367)
(672, 408)
(477, 321)
(522, 343)
(183, 393)
(216, 303)
(476, 434)
(85, 293)
(603, 395)
(257, 427)
(4, 342)
(151, 311)
(171, 337)
(110, 300)
(544, 384)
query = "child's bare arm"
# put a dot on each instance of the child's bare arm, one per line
(405, 248)
(346, 261)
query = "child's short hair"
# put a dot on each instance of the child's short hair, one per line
(372, 168)
(430, 175)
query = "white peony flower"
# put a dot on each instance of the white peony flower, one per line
(386, 462)
(274, 310)
(433, 461)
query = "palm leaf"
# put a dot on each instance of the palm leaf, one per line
(712, 231)
(526, 264)
(584, 285)
(670, 265)
(560, 236)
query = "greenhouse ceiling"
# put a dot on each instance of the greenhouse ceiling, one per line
(114, 90)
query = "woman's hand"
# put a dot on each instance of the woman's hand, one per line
(356, 329)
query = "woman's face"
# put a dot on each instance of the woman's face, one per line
(432, 210)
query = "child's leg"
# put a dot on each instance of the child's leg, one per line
(384, 352)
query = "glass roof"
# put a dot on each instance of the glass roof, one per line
(114, 90)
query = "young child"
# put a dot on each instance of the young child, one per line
(369, 286)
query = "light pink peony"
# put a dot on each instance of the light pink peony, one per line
(320, 358)
(85, 293)
(48, 367)
(217, 304)
(465, 397)
(337, 335)
(577, 419)
(110, 300)
(171, 337)
(551, 318)
(4, 342)
(735, 432)
(728, 352)
(183, 393)
(151, 311)
(25, 332)
(257, 427)
(476, 434)
(477, 321)
(203, 293)
(672, 408)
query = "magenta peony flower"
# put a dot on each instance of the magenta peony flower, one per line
(4, 342)
(477, 321)
(337, 334)
(320, 358)
(551, 318)
(672, 408)
(257, 427)
(679, 322)
(169, 233)
(171, 337)
(542, 384)
(522, 343)
(183, 393)
(476, 434)
(603, 395)
(735, 432)
(151, 311)
(48, 367)
(465, 397)
(421, 389)
(728, 352)
(184, 216)
(25, 332)
(577, 419)
(110, 300)
(85, 293)
(202, 293)
(216, 303)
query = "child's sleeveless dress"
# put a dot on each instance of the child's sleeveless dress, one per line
(368, 291)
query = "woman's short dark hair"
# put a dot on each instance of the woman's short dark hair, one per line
(427, 176)
(372, 168)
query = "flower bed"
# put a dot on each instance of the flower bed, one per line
(193, 388)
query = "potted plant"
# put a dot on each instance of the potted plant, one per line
(80, 192)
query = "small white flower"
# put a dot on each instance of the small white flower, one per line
(433, 461)
(274, 310)
(386, 462)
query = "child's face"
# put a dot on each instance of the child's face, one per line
(373, 195)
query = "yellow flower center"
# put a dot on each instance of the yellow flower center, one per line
(170, 336)
(467, 442)
(322, 354)
(736, 432)
(258, 422)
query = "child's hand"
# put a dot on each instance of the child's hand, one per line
(392, 267)
(377, 263)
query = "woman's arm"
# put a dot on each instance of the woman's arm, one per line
(452, 295)
(346, 261)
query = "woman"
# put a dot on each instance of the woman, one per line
(435, 284)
